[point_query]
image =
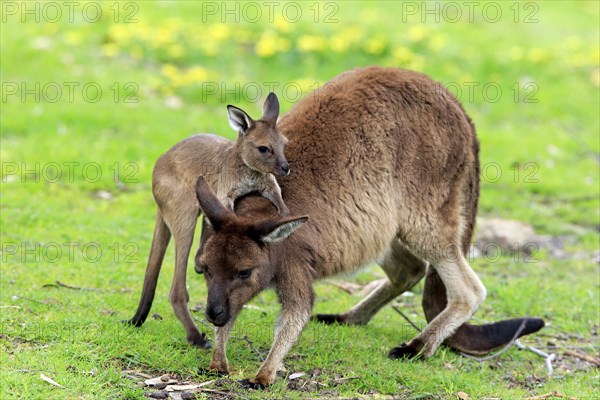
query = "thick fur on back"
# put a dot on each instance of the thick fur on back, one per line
(401, 152)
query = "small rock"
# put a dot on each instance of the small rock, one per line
(497, 233)
(157, 317)
(161, 394)
(165, 378)
(103, 195)
(463, 396)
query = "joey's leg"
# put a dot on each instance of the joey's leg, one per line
(403, 269)
(465, 293)
(296, 304)
(182, 229)
(160, 242)
(272, 191)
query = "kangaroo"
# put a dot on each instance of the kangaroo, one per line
(386, 170)
(232, 169)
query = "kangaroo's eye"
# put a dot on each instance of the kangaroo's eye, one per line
(263, 149)
(245, 274)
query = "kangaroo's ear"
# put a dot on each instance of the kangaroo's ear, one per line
(271, 108)
(213, 210)
(274, 231)
(239, 120)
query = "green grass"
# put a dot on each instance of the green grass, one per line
(175, 52)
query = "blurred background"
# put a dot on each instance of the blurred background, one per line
(93, 92)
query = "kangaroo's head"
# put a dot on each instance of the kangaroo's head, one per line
(238, 258)
(261, 144)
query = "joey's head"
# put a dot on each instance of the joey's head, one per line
(260, 143)
(237, 259)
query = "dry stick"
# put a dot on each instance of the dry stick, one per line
(549, 395)
(247, 340)
(548, 358)
(585, 357)
(406, 318)
(59, 283)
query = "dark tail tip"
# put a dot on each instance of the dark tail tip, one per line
(481, 339)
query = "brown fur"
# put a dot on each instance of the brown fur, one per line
(386, 169)
(232, 170)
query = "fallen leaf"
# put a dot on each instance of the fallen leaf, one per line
(52, 382)
(463, 396)
(296, 375)
(158, 381)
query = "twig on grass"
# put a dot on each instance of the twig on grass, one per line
(61, 284)
(247, 340)
(548, 358)
(406, 318)
(28, 299)
(549, 395)
(585, 357)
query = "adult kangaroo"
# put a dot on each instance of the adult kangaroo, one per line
(385, 170)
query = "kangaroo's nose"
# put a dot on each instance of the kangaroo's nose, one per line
(286, 169)
(214, 312)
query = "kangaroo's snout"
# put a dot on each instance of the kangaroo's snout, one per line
(217, 315)
(284, 169)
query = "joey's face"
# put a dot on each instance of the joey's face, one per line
(261, 144)
(262, 149)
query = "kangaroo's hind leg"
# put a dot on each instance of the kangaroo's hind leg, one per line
(182, 222)
(403, 270)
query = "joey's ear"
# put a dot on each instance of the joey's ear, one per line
(274, 231)
(271, 108)
(238, 119)
(213, 210)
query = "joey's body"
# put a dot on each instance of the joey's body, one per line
(386, 170)
(232, 169)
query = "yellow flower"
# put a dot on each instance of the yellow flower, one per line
(195, 74)
(437, 42)
(574, 42)
(375, 46)
(515, 53)
(269, 44)
(219, 32)
(416, 64)
(307, 85)
(73, 38)
(339, 44)
(110, 50)
(308, 43)
(170, 71)
(402, 55)
(417, 32)
(537, 55)
(282, 25)
(175, 50)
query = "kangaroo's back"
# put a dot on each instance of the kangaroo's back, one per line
(377, 150)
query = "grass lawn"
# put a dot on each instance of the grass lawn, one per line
(93, 94)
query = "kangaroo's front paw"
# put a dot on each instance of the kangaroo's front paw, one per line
(199, 340)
